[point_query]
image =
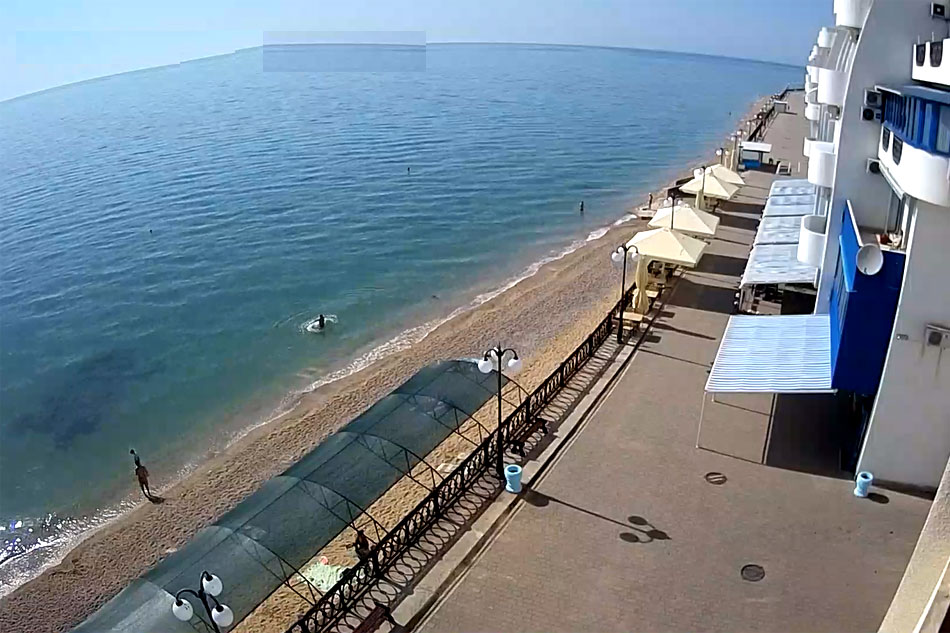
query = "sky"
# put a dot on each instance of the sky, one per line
(48, 43)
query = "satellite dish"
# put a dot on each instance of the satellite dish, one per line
(870, 259)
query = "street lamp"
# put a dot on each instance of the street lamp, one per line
(495, 359)
(719, 154)
(700, 172)
(619, 258)
(220, 615)
(735, 150)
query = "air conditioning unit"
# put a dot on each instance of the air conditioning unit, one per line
(872, 98)
(869, 113)
(873, 166)
(938, 10)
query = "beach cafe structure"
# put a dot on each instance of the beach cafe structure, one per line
(270, 540)
(663, 246)
(865, 236)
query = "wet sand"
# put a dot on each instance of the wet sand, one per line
(544, 317)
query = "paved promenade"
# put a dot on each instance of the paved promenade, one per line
(623, 530)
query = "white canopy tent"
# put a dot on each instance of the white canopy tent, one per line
(725, 174)
(705, 184)
(668, 246)
(686, 219)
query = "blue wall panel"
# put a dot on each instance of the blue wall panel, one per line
(862, 315)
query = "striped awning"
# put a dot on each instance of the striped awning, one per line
(789, 353)
(778, 230)
(796, 187)
(789, 205)
(776, 264)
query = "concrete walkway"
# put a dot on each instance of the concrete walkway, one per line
(630, 527)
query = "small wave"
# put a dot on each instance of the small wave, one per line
(30, 545)
(627, 218)
(596, 235)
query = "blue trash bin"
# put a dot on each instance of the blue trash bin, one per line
(513, 478)
(862, 484)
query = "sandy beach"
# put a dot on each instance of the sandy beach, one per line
(545, 317)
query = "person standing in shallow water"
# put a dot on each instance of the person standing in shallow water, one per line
(582, 207)
(141, 474)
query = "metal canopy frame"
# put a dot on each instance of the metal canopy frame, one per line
(265, 541)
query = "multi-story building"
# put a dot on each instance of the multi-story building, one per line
(873, 245)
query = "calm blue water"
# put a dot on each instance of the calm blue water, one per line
(165, 234)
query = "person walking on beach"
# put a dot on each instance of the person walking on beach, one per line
(650, 203)
(141, 474)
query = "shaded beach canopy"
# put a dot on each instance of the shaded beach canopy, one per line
(711, 187)
(686, 219)
(725, 174)
(671, 247)
(264, 540)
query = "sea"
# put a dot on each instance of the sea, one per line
(168, 236)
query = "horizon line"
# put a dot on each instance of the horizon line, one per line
(435, 43)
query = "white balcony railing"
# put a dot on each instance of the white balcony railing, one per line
(916, 171)
(811, 240)
(929, 63)
(851, 13)
(821, 163)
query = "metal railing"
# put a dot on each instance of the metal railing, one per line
(767, 116)
(340, 599)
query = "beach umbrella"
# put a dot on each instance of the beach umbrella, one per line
(725, 174)
(706, 184)
(686, 219)
(668, 246)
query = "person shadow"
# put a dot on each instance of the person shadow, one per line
(639, 530)
(156, 499)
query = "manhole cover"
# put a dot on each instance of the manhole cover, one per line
(753, 573)
(716, 479)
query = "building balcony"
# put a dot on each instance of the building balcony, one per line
(832, 86)
(821, 163)
(811, 240)
(928, 62)
(914, 144)
(851, 13)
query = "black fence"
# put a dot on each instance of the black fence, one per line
(515, 429)
(765, 117)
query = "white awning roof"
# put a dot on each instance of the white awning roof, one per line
(756, 147)
(792, 187)
(789, 206)
(776, 264)
(779, 230)
(789, 353)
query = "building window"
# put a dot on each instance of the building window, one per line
(936, 54)
(898, 150)
(920, 54)
(885, 139)
(943, 130)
